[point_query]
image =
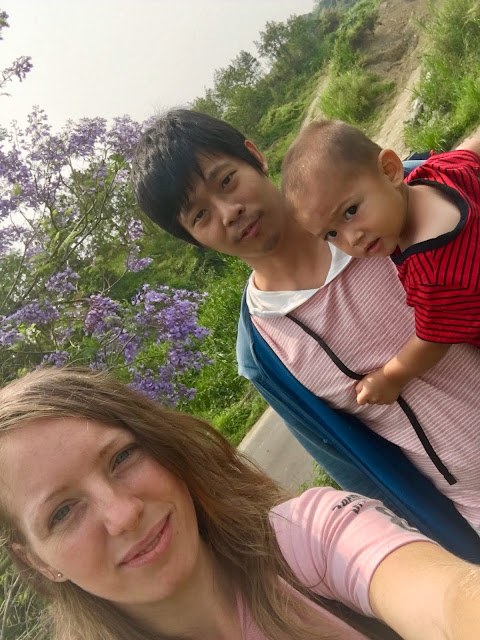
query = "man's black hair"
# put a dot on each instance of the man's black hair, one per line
(166, 163)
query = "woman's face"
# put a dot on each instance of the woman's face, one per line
(96, 508)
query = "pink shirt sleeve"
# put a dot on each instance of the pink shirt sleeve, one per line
(334, 540)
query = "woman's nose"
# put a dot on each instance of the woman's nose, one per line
(121, 512)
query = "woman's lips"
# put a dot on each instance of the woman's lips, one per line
(152, 547)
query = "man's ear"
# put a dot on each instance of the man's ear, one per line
(30, 559)
(259, 156)
(390, 165)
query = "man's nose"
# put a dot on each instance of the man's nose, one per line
(230, 211)
(120, 511)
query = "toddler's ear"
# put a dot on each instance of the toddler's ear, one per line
(390, 165)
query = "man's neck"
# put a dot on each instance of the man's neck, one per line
(299, 261)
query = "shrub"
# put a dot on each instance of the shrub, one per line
(351, 96)
(449, 86)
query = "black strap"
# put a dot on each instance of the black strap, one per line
(407, 410)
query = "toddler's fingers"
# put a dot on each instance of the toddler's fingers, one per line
(362, 397)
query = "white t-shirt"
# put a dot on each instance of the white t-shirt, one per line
(270, 304)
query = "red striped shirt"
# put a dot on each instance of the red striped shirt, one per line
(441, 276)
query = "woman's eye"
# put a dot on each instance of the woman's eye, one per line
(330, 235)
(350, 212)
(125, 454)
(122, 456)
(61, 513)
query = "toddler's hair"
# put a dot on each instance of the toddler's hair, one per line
(323, 146)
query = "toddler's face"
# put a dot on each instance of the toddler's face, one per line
(363, 214)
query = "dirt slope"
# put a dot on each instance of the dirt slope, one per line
(392, 52)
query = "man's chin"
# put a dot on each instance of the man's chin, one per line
(271, 243)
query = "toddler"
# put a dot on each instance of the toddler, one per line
(345, 188)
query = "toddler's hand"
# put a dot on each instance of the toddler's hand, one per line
(375, 388)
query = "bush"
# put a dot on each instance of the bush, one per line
(351, 96)
(449, 86)
(280, 121)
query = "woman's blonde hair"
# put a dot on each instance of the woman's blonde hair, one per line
(232, 501)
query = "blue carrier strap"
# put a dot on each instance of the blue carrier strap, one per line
(327, 432)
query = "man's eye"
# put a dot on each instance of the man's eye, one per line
(227, 179)
(199, 216)
(350, 212)
(330, 235)
(61, 513)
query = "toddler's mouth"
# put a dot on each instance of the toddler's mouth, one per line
(373, 246)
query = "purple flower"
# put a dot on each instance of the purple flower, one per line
(61, 282)
(102, 315)
(57, 358)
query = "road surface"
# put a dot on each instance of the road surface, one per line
(271, 445)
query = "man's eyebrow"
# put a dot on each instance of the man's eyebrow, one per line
(211, 175)
(208, 177)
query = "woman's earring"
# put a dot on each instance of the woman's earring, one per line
(59, 575)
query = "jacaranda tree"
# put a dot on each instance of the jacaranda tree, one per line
(19, 68)
(70, 244)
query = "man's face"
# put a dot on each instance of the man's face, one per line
(233, 208)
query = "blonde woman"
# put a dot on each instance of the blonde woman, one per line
(135, 523)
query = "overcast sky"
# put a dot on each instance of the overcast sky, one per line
(115, 57)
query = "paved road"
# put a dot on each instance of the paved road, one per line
(271, 445)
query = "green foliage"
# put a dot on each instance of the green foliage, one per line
(221, 392)
(235, 421)
(276, 152)
(325, 5)
(320, 479)
(449, 86)
(267, 105)
(281, 121)
(351, 95)
(20, 612)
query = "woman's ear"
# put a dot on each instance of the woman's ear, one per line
(258, 155)
(31, 560)
(390, 165)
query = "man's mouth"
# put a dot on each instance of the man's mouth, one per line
(250, 230)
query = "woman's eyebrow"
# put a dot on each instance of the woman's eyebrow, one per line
(44, 500)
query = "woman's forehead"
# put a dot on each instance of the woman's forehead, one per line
(43, 457)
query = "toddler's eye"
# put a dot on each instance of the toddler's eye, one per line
(330, 235)
(350, 212)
